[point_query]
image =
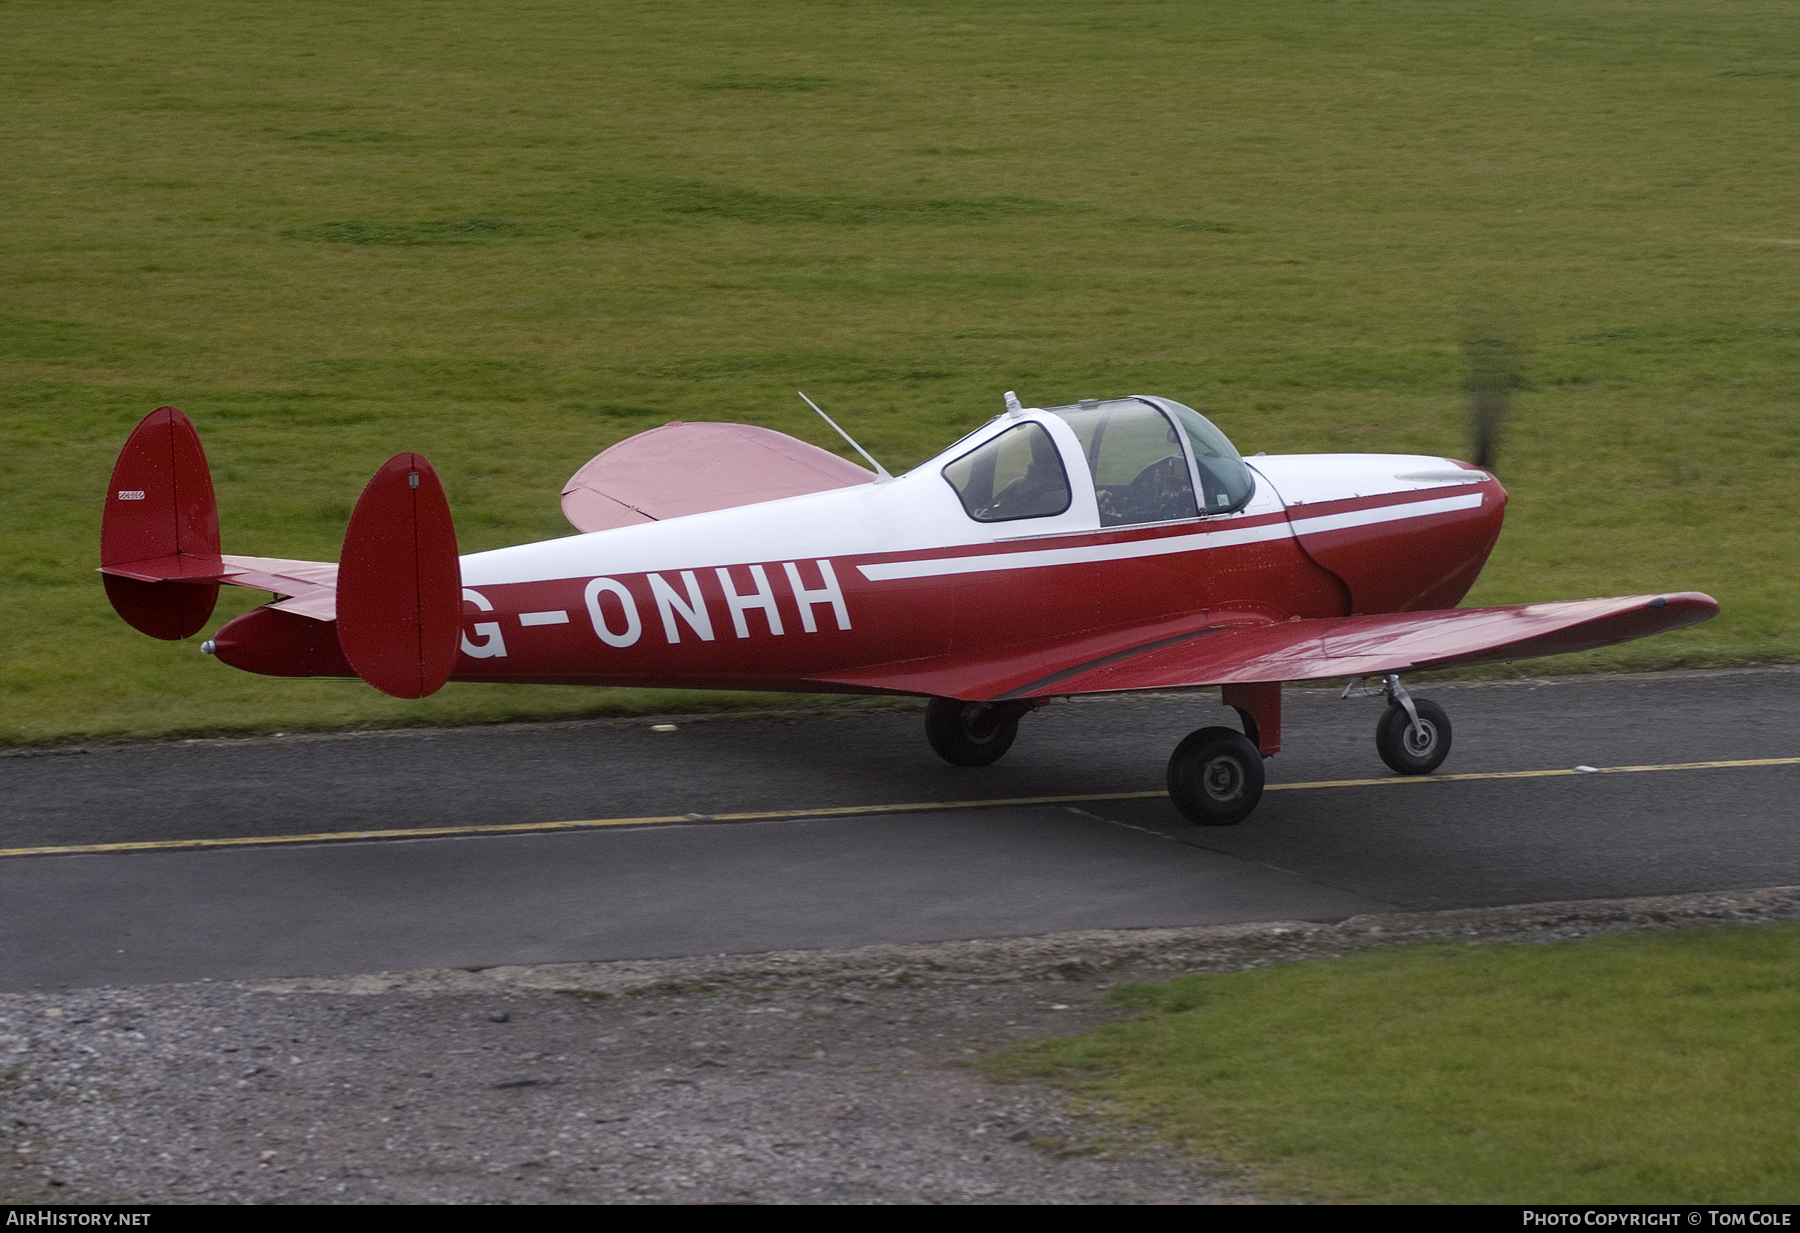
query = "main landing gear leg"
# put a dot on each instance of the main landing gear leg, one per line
(972, 733)
(1413, 736)
(1216, 775)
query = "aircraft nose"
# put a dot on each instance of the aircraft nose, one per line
(1409, 555)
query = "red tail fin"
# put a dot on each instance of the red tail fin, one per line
(161, 525)
(399, 588)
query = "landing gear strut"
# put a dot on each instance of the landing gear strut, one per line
(972, 733)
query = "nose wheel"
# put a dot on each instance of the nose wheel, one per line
(1413, 737)
(1215, 777)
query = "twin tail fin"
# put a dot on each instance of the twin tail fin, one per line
(395, 604)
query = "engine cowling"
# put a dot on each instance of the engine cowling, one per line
(1404, 532)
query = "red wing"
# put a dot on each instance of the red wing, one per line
(1222, 654)
(692, 468)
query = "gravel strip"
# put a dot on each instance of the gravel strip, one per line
(803, 1077)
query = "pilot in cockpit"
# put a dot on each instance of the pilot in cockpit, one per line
(1160, 492)
(1140, 472)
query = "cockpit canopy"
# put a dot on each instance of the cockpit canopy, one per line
(1017, 474)
(1146, 457)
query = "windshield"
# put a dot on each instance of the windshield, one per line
(1133, 448)
(1134, 452)
(1225, 481)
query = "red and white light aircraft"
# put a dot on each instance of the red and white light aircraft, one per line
(1094, 548)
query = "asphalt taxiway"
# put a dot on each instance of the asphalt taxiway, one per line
(153, 862)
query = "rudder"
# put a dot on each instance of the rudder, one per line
(160, 527)
(399, 585)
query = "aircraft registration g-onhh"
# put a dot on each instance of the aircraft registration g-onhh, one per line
(1106, 546)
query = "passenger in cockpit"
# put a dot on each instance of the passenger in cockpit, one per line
(1043, 489)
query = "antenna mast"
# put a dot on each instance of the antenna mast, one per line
(881, 474)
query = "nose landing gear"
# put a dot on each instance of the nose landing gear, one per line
(1413, 736)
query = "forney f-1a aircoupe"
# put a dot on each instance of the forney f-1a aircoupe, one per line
(1100, 547)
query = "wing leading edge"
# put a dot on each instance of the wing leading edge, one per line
(1224, 650)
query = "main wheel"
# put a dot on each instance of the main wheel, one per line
(1411, 750)
(1215, 777)
(971, 733)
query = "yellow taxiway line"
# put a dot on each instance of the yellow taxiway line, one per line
(837, 811)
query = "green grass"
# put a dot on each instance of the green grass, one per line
(508, 236)
(1643, 1068)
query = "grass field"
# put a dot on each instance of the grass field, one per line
(509, 235)
(1645, 1068)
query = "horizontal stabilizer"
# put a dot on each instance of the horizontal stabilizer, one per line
(1224, 650)
(399, 582)
(161, 517)
(692, 468)
(310, 587)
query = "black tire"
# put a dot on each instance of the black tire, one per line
(1215, 777)
(971, 733)
(1411, 752)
